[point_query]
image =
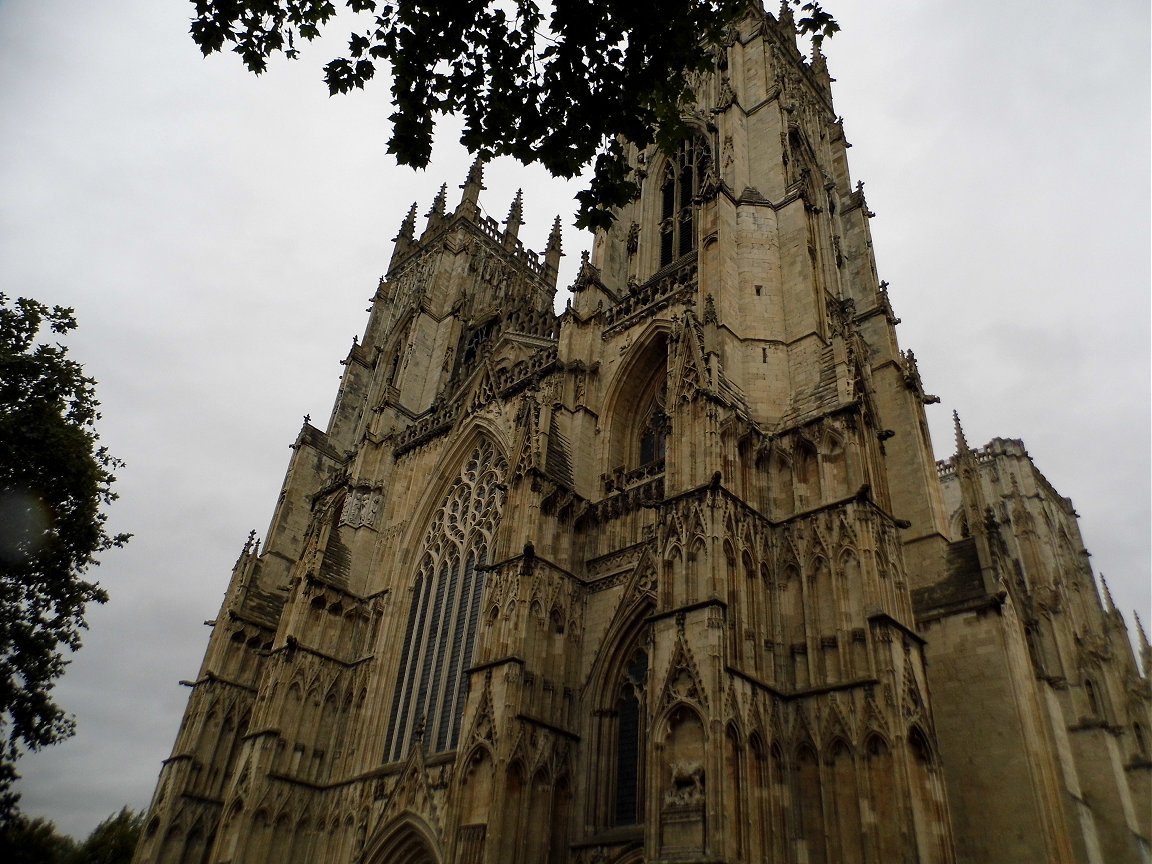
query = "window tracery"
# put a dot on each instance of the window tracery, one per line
(630, 709)
(679, 189)
(440, 633)
(654, 429)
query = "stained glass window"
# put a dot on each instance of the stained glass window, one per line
(629, 769)
(431, 684)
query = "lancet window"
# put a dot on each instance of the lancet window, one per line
(630, 711)
(679, 190)
(431, 684)
(654, 430)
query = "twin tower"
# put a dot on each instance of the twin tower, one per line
(673, 576)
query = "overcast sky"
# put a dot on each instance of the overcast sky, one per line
(220, 237)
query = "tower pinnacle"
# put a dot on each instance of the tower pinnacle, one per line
(1145, 648)
(1110, 604)
(553, 252)
(404, 238)
(437, 211)
(786, 18)
(515, 220)
(473, 185)
(440, 202)
(961, 441)
(408, 226)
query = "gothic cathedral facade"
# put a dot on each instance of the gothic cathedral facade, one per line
(670, 576)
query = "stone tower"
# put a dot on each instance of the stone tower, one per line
(633, 583)
(1043, 712)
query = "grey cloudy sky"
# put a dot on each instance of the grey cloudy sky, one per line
(220, 235)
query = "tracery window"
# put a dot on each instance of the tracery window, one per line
(630, 711)
(679, 189)
(431, 684)
(654, 430)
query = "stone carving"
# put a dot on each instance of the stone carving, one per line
(361, 508)
(687, 784)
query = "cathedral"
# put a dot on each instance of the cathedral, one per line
(671, 576)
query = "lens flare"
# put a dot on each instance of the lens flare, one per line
(24, 523)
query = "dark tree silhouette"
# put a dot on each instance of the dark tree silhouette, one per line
(55, 480)
(561, 88)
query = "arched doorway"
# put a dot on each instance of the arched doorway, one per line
(405, 840)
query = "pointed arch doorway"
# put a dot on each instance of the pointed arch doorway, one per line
(406, 840)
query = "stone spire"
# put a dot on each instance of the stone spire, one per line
(440, 202)
(404, 239)
(961, 441)
(977, 511)
(437, 211)
(1145, 648)
(1109, 603)
(820, 64)
(408, 226)
(514, 221)
(786, 18)
(474, 184)
(553, 252)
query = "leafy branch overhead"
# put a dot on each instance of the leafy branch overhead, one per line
(558, 88)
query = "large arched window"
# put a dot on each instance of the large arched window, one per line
(638, 407)
(679, 189)
(431, 684)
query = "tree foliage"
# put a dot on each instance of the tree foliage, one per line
(113, 841)
(560, 89)
(37, 841)
(55, 480)
(34, 841)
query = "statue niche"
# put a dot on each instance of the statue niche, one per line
(685, 784)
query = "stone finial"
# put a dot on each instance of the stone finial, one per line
(516, 211)
(818, 59)
(407, 227)
(1109, 603)
(556, 237)
(403, 240)
(553, 252)
(819, 63)
(437, 211)
(961, 441)
(473, 185)
(440, 202)
(785, 17)
(515, 219)
(1145, 648)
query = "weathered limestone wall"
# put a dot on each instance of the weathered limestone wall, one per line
(1001, 780)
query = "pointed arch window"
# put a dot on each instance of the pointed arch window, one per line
(630, 711)
(431, 679)
(394, 368)
(654, 429)
(1093, 698)
(679, 190)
